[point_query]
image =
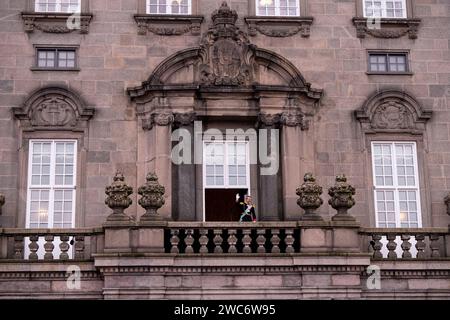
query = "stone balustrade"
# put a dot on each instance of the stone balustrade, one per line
(50, 244)
(406, 243)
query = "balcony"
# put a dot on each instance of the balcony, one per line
(153, 258)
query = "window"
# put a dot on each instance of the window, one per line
(56, 58)
(388, 62)
(51, 184)
(168, 7)
(384, 8)
(396, 185)
(277, 8)
(64, 6)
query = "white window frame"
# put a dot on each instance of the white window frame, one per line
(277, 9)
(395, 186)
(383, 10)
(51, 186)
(226, 184)
(57, 7)
(168, 8)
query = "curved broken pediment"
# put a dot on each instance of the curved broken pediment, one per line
(392, 111)
(53, 108)
(225, 60)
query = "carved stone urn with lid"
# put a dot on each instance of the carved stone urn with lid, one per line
(342, 199)
(152, 198)
(309, 197)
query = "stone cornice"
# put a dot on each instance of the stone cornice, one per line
(55, 22)
(279, 26)
(168, 25)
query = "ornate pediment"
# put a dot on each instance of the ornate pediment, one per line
(392, 111)
(53, 108)
(227, 57)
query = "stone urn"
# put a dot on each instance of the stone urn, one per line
(309, 198)
(152, 198)
(342, 199)
(118, 198)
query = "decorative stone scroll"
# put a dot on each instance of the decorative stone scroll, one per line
(163, 118)
(280, 27)
(388, 28)
(54, 108)
(56, 22)
(392, 111)
(168, 25)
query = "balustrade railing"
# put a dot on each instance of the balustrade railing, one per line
(406, 243)
(232, 238)
(50, 244)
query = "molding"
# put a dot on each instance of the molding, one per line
(53, 108)
(279, 26)
(163, 118)
(54, 22)
(392, 111)
(168, 25)
(389, 28)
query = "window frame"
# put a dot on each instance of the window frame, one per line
(56, 49)
(51, 187)
(395, 187)
(168, 8)
(57, 4)
(383, 9)
(387, 53)
(299, 9)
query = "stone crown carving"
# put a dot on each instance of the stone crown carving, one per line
(392, 111)
(226, 53)
(54, 108)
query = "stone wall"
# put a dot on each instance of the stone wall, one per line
(113, 57)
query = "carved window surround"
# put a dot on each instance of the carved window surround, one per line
(389, 28)
(56, 22)
(279, 26)
(168, 25)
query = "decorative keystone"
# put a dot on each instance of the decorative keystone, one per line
(2, 202)
(342, 199)
(446, 200)
(309, 197)
(118, 198)
(152, 198)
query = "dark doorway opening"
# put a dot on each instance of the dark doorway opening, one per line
(220, 204)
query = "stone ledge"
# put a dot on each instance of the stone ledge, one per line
(168, 25)
(52, 22)
(389, 28)
(280, 27)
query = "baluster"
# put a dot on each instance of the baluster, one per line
(434, 245)
(218, 241)
(203, 241)
(48, 247)
(377, 245)
(391, 246)
(64, 247)
(246, 241)
(232, 240)
(406, 245)
(33, 247)
(79, 247)
(18, 247)
(174, 240)
(289, 240)
(420, 246)
(261, 240)
(189, 240)
(275, 240)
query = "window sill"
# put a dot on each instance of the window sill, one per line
(168, 24)
(390, 73)
(279, 26)
(54, 69)
(54, 22)
(389, 28)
